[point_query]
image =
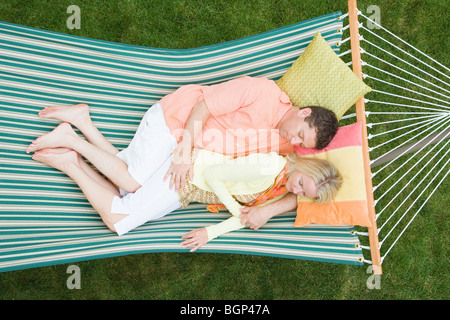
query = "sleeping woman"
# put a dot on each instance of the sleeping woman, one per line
(124, 202)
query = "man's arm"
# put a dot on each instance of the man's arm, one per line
(256, 217)
(181, 163)
(218, 99)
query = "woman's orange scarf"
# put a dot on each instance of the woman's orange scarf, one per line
(276, 190)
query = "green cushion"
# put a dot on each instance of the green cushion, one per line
(320, 78)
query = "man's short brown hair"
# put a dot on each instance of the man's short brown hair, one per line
(326, 124)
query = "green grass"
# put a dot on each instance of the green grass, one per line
(416, 268)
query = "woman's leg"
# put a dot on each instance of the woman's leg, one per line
(99, 195)
(110, 165)
(88, 170)
(95, 175)
(78, 115)
(151, 145)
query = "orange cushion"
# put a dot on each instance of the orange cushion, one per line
(350, 204)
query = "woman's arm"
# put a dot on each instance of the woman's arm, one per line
(255, 169)
(216, 176)
(201, 236)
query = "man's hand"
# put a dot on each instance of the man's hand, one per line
(254, 217)
(181, 162)
(180, 167)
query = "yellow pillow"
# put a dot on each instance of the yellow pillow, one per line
(320, 78)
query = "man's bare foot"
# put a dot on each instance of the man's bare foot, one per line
(75, 114)
(59, 137)
(58, 158)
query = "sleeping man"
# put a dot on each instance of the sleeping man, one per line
(235, 118)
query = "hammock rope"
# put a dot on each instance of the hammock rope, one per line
(406, 62)
(402, 70)
(406, 89)
(408, 98)
(406, 80)
(418, 133)
(400, 136)
(403, 51)
(416, 199)
(405, 174)
(403, 41)
(435, 116)
(417, 212)
(410, 147)
(344, 53)
(402, 105)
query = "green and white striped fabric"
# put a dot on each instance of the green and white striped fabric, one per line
(44, 217)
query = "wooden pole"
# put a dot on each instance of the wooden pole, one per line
(361, 116)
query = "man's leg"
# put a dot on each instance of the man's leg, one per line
(110, 165)
(78, 115)
(98, 195)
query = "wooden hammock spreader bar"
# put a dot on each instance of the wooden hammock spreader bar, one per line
(361, 116)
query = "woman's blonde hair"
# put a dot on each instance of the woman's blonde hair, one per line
(325, 175)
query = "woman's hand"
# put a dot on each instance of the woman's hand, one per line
(197, 238)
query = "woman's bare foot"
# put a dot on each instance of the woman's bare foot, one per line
(58, 158)
(59, 137)
(78, 115)
(75, 114)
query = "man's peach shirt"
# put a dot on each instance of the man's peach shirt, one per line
(244, 115)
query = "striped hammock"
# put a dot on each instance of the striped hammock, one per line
(44, 217)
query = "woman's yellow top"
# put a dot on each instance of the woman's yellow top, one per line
(226, 176)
